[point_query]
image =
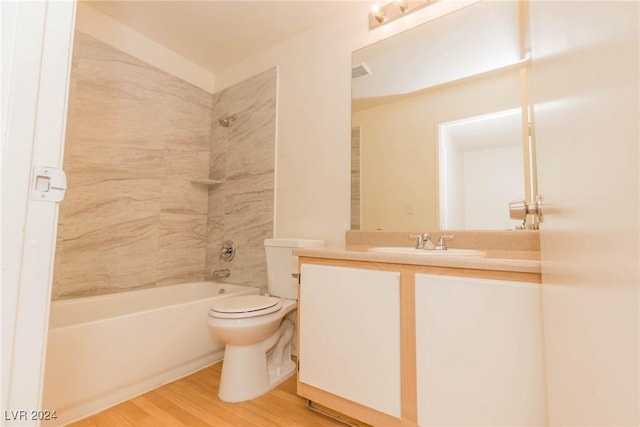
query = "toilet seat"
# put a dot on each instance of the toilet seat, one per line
(245, 306)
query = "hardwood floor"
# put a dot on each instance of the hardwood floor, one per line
(193, 401)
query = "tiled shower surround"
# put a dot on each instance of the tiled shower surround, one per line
(136, 137)
(243, 157)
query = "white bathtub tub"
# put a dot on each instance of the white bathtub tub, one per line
(106, 349)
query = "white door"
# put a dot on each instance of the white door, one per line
(585, 88)
(36, 47)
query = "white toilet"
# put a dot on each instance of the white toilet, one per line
(257, 354)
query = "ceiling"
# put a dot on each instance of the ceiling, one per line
(216, 34)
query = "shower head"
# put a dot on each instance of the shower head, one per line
(226, 121)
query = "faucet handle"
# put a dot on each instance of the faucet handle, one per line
(422, 239)
(228, 250)
(419, 241)
(442, 241)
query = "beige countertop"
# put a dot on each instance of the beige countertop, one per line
(496, 260)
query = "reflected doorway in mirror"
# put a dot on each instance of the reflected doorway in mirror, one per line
(481, 170)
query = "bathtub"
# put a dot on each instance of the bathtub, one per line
(106, 349)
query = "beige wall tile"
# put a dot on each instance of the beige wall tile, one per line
(243, 156)
(112, 259)
(136, 137)
(182, 242)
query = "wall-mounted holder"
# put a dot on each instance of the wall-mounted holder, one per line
(520, 209)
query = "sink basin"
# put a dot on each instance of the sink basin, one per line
(428, 252)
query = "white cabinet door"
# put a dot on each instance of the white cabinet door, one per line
(350, 334)
(479, 352)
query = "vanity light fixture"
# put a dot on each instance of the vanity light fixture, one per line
(377, 14)
(380, 15)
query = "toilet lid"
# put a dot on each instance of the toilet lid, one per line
(245, 306)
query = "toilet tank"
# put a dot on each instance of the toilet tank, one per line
(282, 265)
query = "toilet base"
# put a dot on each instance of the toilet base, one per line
(279, 374)
(247, 371)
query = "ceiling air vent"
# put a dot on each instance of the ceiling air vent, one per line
(360, 70)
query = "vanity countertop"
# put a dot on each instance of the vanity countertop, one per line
(496, 260)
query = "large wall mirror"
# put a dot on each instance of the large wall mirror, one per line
(440, 133)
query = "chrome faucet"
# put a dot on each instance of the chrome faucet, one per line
(222, 272)
(442, 242)
(423, 240)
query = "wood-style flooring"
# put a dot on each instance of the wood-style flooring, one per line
(193, 401)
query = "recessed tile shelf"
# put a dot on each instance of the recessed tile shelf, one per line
(208, 182)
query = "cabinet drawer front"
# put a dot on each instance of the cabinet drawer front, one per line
(350, 334)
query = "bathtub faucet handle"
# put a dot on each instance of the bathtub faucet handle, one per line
(228, 250)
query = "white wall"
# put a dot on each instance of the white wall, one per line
(485, 171)
(585, 87)
(104, 28)
(398, 163)
(314, 118)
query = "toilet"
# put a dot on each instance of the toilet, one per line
(257, 336)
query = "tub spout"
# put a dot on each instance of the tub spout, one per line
(223, 272)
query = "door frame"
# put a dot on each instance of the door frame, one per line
(37, 46)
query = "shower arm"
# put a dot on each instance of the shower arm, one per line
(226, 121)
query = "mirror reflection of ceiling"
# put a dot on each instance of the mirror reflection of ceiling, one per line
(491, 131)
(217, 34)
(421, 57)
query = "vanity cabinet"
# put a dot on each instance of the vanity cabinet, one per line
(350, 334)
(405, 345)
